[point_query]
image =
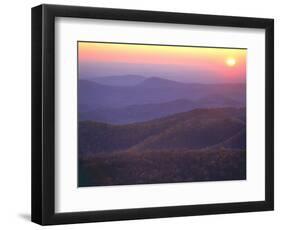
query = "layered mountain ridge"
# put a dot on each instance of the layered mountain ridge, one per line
(197, 129)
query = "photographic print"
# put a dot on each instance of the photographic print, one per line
(178, 104)
(151, 113)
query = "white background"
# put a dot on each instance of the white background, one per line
(71, 199)
(15, 115)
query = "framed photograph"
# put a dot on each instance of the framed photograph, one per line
(143, 114)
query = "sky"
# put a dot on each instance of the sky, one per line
(180, 63)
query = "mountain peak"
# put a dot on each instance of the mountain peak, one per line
(159, 82)
(120, 80)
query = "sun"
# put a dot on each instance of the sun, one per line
(230, 62)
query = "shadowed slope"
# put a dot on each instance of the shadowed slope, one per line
(197, 129)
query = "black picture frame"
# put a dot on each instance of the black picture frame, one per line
(43, 114)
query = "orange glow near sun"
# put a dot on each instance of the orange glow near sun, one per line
(230, 62)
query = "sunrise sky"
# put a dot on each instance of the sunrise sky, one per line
(181, 63)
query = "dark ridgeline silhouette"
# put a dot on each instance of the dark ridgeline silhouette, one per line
(153, 130)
